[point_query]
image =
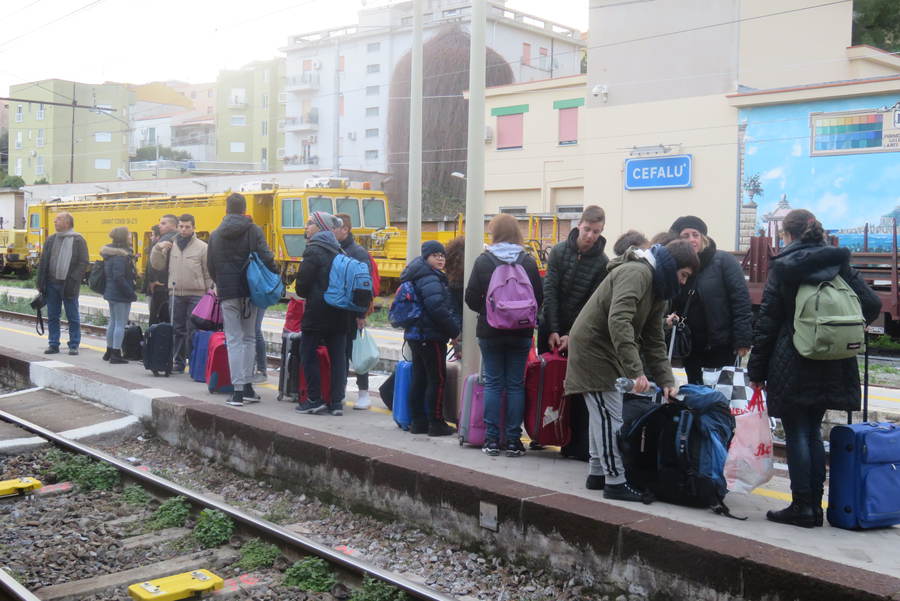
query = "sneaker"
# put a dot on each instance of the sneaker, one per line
(515, 448)
(236, 400)
(310, 407)
(337, 412)
(595, 482)
(418, 428)
(622, 492)
(491, 448)
(250, 395)
(440, 428)
(73, 351)
(362, 400)
(51, 350)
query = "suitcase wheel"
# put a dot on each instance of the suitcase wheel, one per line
(460, 441)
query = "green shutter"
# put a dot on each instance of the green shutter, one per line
(568, 104)
(509, 110)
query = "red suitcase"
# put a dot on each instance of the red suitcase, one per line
(546, 406)
(218, 375)
(324, 375)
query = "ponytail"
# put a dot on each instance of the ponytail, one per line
(802, 225)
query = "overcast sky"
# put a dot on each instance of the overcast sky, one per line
(139, 41)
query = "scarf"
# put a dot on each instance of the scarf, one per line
(61, 257)
(665, 273)
(183, 242)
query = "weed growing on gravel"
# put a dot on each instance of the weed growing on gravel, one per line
(376, 590)
(83, 471)
(135, 495)
(213, 528)
(310, 574)
(280, 512)
(256, 554)
(184, 544)
(173, 513)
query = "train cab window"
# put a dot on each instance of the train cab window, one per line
(320, 203)
(373, 209)
(350, 206)
(292, 212)
(35, 221)
(295, 244)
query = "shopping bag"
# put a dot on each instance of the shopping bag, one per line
(207, 315)
(750, 460)
(294, 316)
(732, 381)
(365, 352)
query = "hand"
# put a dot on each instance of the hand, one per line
(641, 384)
(742, 352)
(669, 394)
(563, 343)
(671, 318)
(553, 341)
(360, 323)
(164, 245)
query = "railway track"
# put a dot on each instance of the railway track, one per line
(290, 543)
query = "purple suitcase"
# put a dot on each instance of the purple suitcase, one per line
(470, 425)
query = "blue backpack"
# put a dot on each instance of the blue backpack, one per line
(406, 308)
(349, 284)
(266, 288)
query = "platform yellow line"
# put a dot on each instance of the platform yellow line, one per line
(35, 335)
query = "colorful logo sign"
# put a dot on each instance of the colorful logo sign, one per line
(653, 173)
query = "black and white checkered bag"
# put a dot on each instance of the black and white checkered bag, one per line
(733, 382)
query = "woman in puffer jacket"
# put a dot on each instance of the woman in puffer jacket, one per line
(800, 390)
(118, 267)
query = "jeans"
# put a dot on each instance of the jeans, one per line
(362, 380)
(504, 359)
(55, 304)
(429, 380)
(183, 328)
(714, 357)
(260, 342)
(239, 315)
(805, 452)
(118, 319)
(336, 343)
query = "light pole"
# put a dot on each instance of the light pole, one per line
(414, 184)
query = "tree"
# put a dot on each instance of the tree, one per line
(4, 151)
(148, 153)
(753, 187)
(877, 23)
(12, 181)
(41, 181)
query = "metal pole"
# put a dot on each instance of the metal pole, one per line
(72, 143)
(474, 176)
(414, 186)
(336, 151)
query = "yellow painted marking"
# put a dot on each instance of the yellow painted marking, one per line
(35, 335)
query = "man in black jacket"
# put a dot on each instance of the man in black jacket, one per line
(63, 262)
(322, 323)
(157, 280)
(229, 248)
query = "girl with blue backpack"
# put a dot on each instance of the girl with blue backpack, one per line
(505, 290)
(427, 337)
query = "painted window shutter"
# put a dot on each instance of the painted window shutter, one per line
(509, 131)
(568, 126)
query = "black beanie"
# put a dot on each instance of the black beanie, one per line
(431, 247)
(688, 221)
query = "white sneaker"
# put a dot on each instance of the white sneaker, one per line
(362, 401)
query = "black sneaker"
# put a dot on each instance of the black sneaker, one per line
(311, 407)
(73, 351)
(51, 350)
(236, 400)
(337, 410)
(250, 395)
(418, 428)
(595, 482)
(515, 448)
(622, 492)
(440, 428)
(491, 448)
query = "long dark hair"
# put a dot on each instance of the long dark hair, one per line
(802, 225)
(455, 254)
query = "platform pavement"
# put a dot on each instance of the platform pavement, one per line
(871, 550)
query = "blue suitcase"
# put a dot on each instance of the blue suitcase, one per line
(402, 385)
(199, 350)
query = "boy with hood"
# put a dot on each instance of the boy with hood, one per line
(428, 338)
(621, 322)
(322, 324)
(229, 248)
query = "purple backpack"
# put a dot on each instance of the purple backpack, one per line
(510, 303)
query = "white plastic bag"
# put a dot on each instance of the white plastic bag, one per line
(365, 352)
(750, 460)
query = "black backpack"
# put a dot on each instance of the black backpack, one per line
(97, 278)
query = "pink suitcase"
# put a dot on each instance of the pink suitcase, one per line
(470, 425)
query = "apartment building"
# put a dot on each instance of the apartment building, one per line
(45, 143)
(337, 84)
(247, 115)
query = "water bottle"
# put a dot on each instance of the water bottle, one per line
(627, 385)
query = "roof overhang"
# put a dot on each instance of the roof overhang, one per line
(823, 91)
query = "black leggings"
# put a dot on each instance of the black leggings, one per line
(714, 357)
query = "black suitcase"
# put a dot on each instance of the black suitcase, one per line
(158, 348)
(288, 374)
(133, 343)
(578, 447)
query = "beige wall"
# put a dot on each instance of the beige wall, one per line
(705, 127)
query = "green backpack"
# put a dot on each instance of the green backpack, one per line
(828, 321)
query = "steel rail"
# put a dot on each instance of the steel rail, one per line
(12, 589)
(349, 563)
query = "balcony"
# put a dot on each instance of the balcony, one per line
(305, 123)
(300, 162)
(194, 167)
(307, 82)
(237, 103)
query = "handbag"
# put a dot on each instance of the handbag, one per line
(750, 461)
(365, 353)
(38, 303)
(207, 315)
(680, 338)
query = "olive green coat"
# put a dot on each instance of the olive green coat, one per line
(621, 322)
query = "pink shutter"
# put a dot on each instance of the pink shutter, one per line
(509, 131)
(568, 126)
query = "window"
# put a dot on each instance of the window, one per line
(102, 163)
(542, 53)
(39, 166)
(349, 206)
(19, 166)
(452, 12)
(209, 110)
(406, 22)
(526, 53)
(307, 64)
(102, 136)
(264, 128)
(372, 133)
(20, 114)
(292, 212)
(568, 126)
(236, 147)
(373, 47)
(373, 211)
(18, 140)
(321, 203)
(372, 111)
(35, 221)
(371, 155)
(341, 105)
(373, 68)
(209, 93)
(514, 210)
(265, 101)
(193, 94)
(151, 136)
(237, 97)
(372, 90)
(40, 137)
(509, 131)
(264, 156)
(341, 63)
(239, 120)
(40, 113)
(294, 244)
(265, 76)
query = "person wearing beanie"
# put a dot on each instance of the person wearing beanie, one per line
(118, 267)
(323, 324)
(715, 304)
(427, 339)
